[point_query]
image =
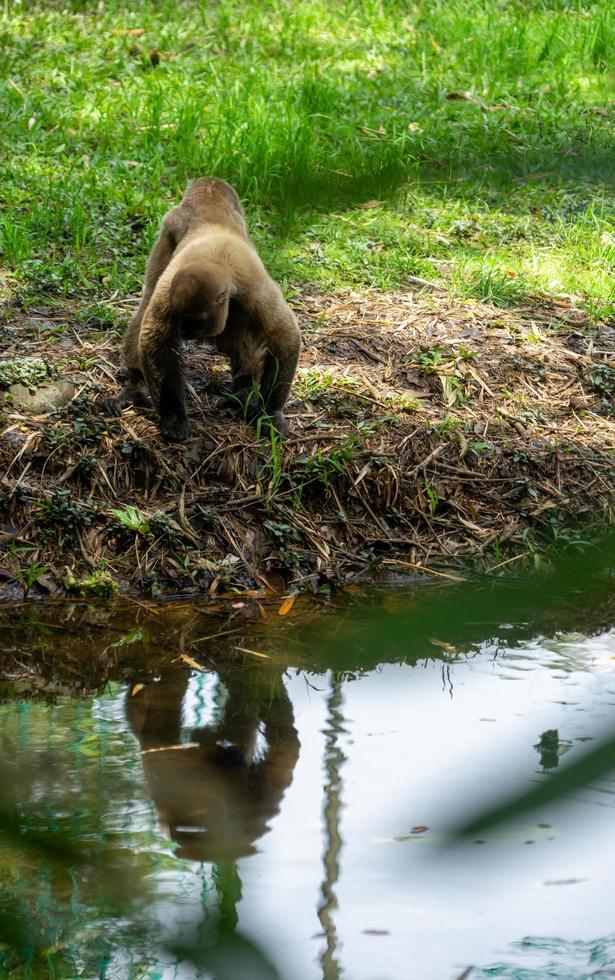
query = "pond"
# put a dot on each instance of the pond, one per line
(217, 792)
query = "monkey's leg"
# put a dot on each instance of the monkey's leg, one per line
(161, 359)
(283, 342)
(242, 342)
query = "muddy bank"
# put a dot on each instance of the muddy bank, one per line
(425, 436)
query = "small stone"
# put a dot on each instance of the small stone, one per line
(47, 398)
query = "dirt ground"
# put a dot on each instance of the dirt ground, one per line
(427, 437)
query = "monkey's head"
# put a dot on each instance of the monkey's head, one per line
(199, 300)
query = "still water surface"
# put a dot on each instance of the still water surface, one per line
(307, 814)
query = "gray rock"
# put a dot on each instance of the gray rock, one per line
(46, 398)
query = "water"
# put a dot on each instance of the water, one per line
(264, 819)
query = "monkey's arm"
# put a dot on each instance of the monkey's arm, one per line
(133, 392)
(282, 340)
(162, 364)
(159, 259)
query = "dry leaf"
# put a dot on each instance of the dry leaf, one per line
(48, 583)
(271, 580)
(370, 204)
(191, 663)
(460, 97)
(129, 32)
(443, 645)
(136, 689)
(287, 605)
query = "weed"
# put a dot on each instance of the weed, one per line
(329, 390)
(79, 432)
(448, 424)
(208, 515)
(286, 538)
(132, 518)
(491, 285)
(433, 496)
(29, 371)
(326, 464)
(452, 390)
(282, 533)
(431, 360)
(100, 583)
(464, 354)
(163, 527)
(29, 576)
(154, 525)
(61, 514)
(401, 402)
(272, 472)
(602, 379)
(86, 463)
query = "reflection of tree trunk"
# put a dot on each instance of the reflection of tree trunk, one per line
(334, 758)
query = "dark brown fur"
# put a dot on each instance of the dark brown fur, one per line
(205, 281)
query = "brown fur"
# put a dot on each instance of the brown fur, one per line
(205, 281)
(217, 796)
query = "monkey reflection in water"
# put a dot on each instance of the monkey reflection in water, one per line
(217, 792)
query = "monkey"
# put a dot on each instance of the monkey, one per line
(217, 794)
(205, 281)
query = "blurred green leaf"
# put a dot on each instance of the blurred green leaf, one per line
(471, 612)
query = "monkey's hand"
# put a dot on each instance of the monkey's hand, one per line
(130, 394)
(112, 406)
(175, 428)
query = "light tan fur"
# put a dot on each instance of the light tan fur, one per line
(205, 281)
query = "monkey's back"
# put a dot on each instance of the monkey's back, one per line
(211, 200)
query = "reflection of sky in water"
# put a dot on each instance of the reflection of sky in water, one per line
(421, 756)
(423, 747)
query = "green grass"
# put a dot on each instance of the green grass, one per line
(313, 109)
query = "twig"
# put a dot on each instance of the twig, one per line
(423, 568)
